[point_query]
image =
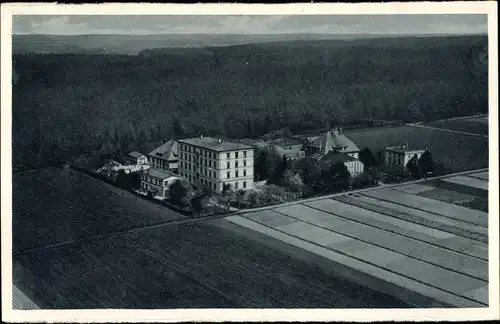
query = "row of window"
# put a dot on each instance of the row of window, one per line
(191, 158)
(236, 185)
(395, 159)
(154, 181)
(191, 149)
(236, 174)
(236, 155)
(211, 164)
(207, 153)
(212, 174)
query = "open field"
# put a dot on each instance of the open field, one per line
(457, 152)
(175, 266)
(189, 266)
(476, 125)
(55, 205)
(353, 250)
(422, 249)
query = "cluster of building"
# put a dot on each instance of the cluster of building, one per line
(214, 163)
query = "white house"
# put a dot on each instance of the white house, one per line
(137, 158)
(213, 163)
(156, 182)
(399, 156)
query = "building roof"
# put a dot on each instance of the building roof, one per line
(287, 151)
(333, 140)
(283, 142)
(215, 144)
(316, 156)
(336, 157)
(135, 154)
(158, 174)
(167, 150)
(405, 149)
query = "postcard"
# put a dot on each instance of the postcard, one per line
(235, 162)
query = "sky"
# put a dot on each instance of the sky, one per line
(457, 24)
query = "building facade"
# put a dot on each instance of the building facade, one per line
(137, 158)
(399, 156)
(165, 157)
(214, 163)
(156, 182)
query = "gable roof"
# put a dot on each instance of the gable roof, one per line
(135, 154)
(336, 157)
(333, 140)
(158, 174)
(167, 151)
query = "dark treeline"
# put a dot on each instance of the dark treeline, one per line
(68, 105)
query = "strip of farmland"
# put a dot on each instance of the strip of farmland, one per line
(394, 225)
(480, 175)
(375, 261)
(440, 183)
(468, 181)
(413, 188)
(424, 218)
(430, 205)
(454, 261)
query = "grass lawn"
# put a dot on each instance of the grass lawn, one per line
(476, 125)
(187, 266)
(55, 205)
(456, 152)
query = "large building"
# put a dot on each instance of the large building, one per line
(334, 140)
(399, 156)
(213, 163)
(165, 157)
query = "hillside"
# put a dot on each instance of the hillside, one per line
(66, 104)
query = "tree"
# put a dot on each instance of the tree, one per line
(292, 181)
(426, 164)
(367, 158)
(177, 193)
(197, 203)
(260, 169)
(336, 177)
(412, 167)
(276, 166)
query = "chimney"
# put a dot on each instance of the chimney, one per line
(340, 130)
(201, 136)
(219, 141)
(165, 140)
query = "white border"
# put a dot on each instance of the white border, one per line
(482, 7)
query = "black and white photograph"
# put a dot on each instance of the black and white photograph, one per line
(249, 160)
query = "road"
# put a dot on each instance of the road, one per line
(447, 130)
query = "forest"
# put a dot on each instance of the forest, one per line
(71, 105)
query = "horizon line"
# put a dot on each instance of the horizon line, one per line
(261, 34)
